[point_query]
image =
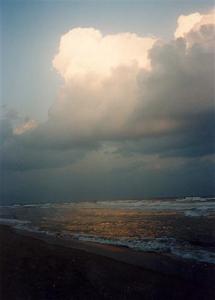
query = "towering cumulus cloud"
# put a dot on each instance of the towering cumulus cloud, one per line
(85, 51)
(124, 85)
(193, 22)
(101, 85)
(126, 96)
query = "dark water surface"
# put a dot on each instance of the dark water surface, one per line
(182, 227)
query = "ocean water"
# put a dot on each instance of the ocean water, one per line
(184, 228)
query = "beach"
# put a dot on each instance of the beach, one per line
(39, 267)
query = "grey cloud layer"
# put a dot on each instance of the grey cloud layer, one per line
(167, 111)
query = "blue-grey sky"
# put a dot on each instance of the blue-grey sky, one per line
(31, 31)
(123, 107)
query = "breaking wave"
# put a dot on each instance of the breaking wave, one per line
(162, 245)
(189, 206)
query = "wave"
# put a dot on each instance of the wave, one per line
(201, 212)
(14, 222)
(189, 206)
(25, 226)
(162, 245)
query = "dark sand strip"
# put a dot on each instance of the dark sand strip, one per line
(201, 273)
(32, 268)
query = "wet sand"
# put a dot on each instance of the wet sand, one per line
(43, 268)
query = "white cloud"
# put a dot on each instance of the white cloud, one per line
(188, 25)
(85, 51)
(127, 86)
(111, 94)
(26, 126)
(132, 115)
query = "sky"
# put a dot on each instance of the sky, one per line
(106, 100)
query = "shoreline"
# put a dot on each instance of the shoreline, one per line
(199, 272)
(39, 268)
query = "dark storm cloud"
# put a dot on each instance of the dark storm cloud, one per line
(32, 150)
(196, 139)
(174, 116)
(175, 99)
(6, 130)
(165, 115)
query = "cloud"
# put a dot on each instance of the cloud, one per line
(27, 125)
(130, 107)
(186, 23)
(6, 130)
(85, 51)
(196, 28)
(133, 101)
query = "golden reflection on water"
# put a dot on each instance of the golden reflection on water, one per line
(116, 223)
(113, 223)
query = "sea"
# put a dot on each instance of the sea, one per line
(180, 227)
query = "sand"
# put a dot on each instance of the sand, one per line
(34, 267)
